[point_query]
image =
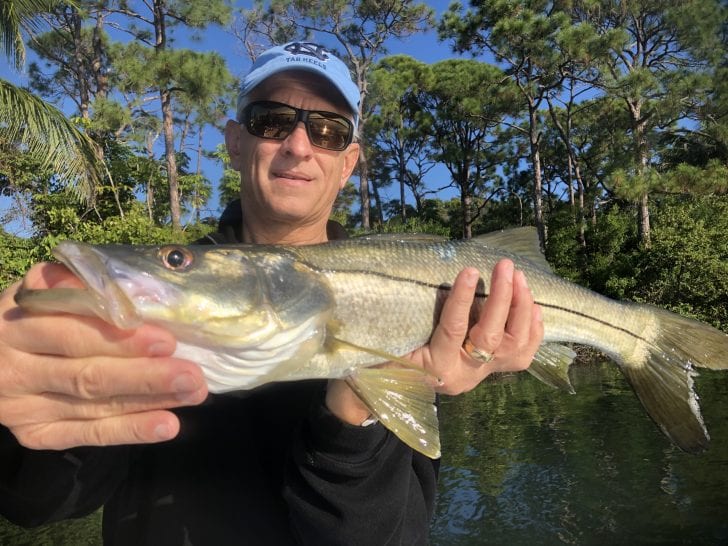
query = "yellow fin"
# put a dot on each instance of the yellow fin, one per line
(522, 241)
(551, 365)
(404, 402)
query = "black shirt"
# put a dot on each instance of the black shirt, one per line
(269, 466)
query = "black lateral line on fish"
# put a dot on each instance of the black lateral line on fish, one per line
(478, 295)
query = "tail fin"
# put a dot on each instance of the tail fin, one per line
(664, 382)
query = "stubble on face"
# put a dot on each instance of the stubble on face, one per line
(290, 186)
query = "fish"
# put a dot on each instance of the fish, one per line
(255, 314)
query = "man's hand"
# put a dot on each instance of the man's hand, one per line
(510, 328)
(68, 381)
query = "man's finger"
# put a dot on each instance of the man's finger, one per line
(50, 275)
(453, 326)
(537, 331)
(487, 333)
(139, 428)
(518, 325)
(49, 408)
(77, 336)
(106, 377)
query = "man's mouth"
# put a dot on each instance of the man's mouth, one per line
(290, 175)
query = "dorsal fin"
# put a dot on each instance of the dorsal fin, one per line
(522, 241)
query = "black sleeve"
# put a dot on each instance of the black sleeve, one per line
(39, 487)
(349, 485)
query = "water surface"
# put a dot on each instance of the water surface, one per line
(524, 464)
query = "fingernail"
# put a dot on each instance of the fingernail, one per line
(472, 276)
(509, 269)
(163, 432)
(521, 277)
(190, 398)
(185, 384)
(160, 348)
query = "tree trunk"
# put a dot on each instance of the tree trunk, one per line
(642, 159)
(377, 205)
(169, 152)
(165, 97)
(75, 25)
(537, 179)
(580, 209)
(150, 187)
(402, 178)
(364, 189)
(196, 200)
(466, 201)
(644, 221)
(99, 71)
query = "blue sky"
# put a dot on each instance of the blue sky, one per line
(424, 47)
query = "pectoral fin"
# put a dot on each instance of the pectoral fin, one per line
(404, 402)
(386, 357)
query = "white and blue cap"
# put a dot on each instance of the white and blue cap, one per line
(307, 56)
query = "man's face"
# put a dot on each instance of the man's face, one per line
(290, 181)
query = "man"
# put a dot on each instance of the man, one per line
(295, 462)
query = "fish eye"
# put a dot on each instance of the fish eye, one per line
(175, 258)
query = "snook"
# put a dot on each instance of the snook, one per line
(251, 314)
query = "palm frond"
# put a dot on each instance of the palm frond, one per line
(42, 130)
(17, 15)
(11, 40)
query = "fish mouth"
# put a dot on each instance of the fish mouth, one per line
(108, 281)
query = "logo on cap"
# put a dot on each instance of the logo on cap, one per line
(308, 48)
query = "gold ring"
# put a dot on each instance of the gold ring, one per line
(477, 354)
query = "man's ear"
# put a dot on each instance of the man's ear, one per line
(232, 143)
(351, 156)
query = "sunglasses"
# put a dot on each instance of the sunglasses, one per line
(274, 120)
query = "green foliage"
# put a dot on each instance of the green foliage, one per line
(685, 270)
(229, 184)
(44, 132)
(16, 257)
(35, 126)
(18, 254)
(411, 225)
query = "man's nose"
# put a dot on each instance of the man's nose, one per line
(298, 142)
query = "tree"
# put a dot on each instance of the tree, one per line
(360, 28)
(524, 36)
(659, 70)
(153, 65)
(466, 101)
(395, 129)
(37, 127)
(76, 54)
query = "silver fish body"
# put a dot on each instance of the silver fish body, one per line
(252, 314)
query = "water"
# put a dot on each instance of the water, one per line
(524, 464)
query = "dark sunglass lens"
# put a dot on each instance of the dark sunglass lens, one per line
(271, 121)
(332, 133)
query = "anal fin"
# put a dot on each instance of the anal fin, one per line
(551, 365)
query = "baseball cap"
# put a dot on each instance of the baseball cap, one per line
(302, 56)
